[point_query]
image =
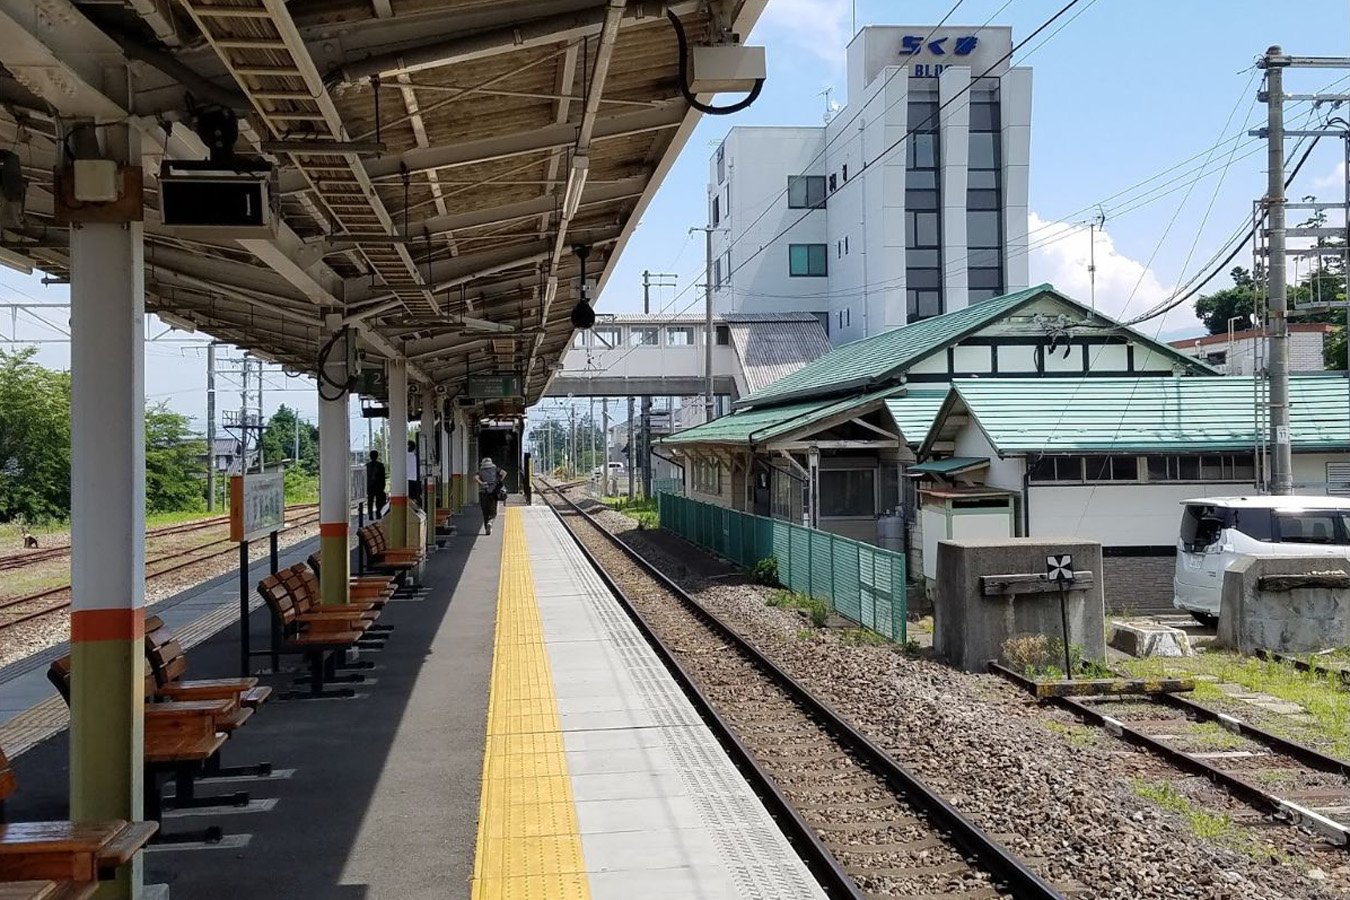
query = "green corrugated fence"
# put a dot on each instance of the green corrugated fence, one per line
(864, 583)
(667, 486)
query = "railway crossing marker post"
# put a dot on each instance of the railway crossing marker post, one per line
(1059, 569)
(257, 508)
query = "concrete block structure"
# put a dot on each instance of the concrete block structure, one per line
(970, 628)
(1287, 604)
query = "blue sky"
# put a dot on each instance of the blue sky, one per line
(1126, 90)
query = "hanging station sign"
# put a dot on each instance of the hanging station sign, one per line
(493, 387)
(257, 505)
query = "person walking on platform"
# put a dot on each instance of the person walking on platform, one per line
(491, 479)
(375, 495)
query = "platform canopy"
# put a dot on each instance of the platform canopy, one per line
(422, 153)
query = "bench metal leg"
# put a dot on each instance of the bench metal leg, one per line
(214, 769)
(154, 812)
(185, 793)
(319, 675)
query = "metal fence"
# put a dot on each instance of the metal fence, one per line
(864, 583)
(673, 486)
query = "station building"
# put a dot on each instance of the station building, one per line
(838, 221)
(1094, 429)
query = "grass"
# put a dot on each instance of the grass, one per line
(640, 509)
(1076, 734)
(818, 610)
(1320, 697)
(1202, 823)
(863, 638)
(1212, 736)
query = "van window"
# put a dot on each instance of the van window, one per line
(1312, 526)
(1200, 526)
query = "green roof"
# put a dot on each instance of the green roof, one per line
(1104, 415)
(870, 362)
(915, 412)
(952, 465)
(757, 426)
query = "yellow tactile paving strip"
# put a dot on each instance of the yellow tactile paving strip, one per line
(529, 844)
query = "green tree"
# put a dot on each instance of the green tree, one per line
(173, 454)
(1233, 302)
(34, 439)
(280, 437)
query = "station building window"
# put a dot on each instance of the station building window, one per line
(848, 492)
(1131, 469)
(808, 260)
(644, 336)
(607, 336)
(806, 192)
(707, 477)
(680, 336)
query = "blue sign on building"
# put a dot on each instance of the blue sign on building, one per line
(914, 44)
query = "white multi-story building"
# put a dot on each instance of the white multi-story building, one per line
(1246, 352)
(868, 228)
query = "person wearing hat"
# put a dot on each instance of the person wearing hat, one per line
(491, 479)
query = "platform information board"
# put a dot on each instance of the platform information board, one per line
(493, 387)
(257, 505)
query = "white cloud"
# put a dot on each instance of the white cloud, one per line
(1333, 179)
(1125, 286)
(819, 27)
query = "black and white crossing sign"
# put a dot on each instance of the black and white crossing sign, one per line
(1059, 568)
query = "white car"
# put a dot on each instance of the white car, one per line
(1218, 531)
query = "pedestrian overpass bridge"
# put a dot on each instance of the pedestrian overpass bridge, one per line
(660, 355)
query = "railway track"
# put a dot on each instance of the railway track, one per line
(1274, 775)
(28, 558)
(16, 610)
(864, 824)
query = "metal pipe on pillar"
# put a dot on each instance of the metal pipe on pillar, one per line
(107, 620)
(334, 463)
(425, 443)
(443, 434)
(398, 458)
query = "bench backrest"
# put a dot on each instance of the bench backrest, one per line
(58, 673)
(315, 560)
(278, 599)
(168, 659)
(373, 539)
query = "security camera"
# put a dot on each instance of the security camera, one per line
(440, 390)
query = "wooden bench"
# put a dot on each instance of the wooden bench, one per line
(181, 737)
(381, 557)
(303, 583)
(360, 586)
(52, 860)
(320, 639)
(168, 663)
(47, 890)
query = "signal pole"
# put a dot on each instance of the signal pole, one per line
(648, 284)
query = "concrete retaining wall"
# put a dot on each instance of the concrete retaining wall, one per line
(969, 629)
(1304, 619)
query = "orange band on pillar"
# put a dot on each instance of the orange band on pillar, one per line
(107, 624)
(333, 529)
(398, 501)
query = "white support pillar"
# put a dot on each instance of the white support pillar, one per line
(953, 176)
(335, 502)
(425, 444)
(107, 620)
(398, 454)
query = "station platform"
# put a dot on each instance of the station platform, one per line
(516, 738)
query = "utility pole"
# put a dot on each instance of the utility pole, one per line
(604, 430)
(631, 455)
(295, 457)
(243, 417)
(1277, 330)
(708, 400)
(646, 447)
(661, 279)
(211, 427)
(572, 443)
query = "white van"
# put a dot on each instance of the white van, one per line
(1217, 531)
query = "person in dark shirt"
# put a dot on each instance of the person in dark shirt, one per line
(375, 495)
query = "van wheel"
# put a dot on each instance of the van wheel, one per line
(1205, 619)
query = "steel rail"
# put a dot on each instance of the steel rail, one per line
(1236, 785)
(57, 607)
(1340, 674)
(1011, 873)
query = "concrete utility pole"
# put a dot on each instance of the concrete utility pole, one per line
(572, 442)
(1277, 330)
(648, 284)
(631, 455)
(211, 427)
(707, 325)
(604, 431)
(243, 417)
(646, 446)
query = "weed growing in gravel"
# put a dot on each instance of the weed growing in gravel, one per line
(765, 572)
(1075, 734)
(1212, 736)
(1203, 823)
(863, 638)
(817, 609)
(1038, 657)
(641, 509)
(805, 634)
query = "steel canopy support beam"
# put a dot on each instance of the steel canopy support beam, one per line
(58, 54)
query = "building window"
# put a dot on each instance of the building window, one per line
(811, 260)
(845, 171)
(848, 316)
(607, 336)
(644, 336)
(839, 249)
(848, 492)
(707, 477)
(846, 245)
(834, 183)
(717, 273)
(1237, 467)
(1338, 478)
(680, 336)
(841, 318)
(723, 336)
(923, 215)
(1130, 469)
(721, 162)
(806, 191)
(717, 210)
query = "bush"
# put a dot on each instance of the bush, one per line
(765, 572)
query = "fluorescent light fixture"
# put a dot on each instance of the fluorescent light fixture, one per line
(177, 322)
(23, 264)
(576, 183)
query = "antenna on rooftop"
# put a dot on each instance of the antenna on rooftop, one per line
(831, 106)
(1093, 227)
